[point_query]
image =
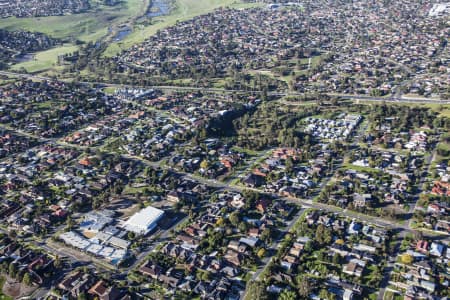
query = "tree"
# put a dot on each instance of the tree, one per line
(82, 296)
(336, 259)
(288, 295)
(323, 294)
(204, 164)
(261, 252)
(304, 286)
(256, 290)
(234, 218)
(57, 262)
(12, 270)
(27, 279)
(407, 258)
(323, 235)
(219, 222)
(206, 276)
(266, 234)
(70, 223)
(289, 164)
(242, 227)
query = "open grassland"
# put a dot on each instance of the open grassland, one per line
(94, 25)
(443, 109)
(86, 27)
(45, 59)
(183, 10)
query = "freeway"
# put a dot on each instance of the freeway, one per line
(393, 99)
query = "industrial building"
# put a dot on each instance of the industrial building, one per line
(144, 221)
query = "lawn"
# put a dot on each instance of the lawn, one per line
(109, 90)
(45, 60)
(182, 11)
(368, 170)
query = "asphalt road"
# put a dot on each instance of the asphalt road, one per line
(393, 99)
(305, 203)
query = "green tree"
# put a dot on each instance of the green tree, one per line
(266, 234)
(336, 259)
(243, 227)
(12, 270)
(206, 276)
(261, 252)
(57, 262)
(323, 235)
(27, 279)
(234, 218)
(304, 286)
(288, 295)
(82, 296)
(324, 294)
(256, 290)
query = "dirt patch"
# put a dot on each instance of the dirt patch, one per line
(163, 204)
(89, 234)
(16, 289)
(125, 208)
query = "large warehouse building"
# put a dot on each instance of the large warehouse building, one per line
(144, 221)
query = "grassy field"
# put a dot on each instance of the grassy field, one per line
(44, 60)
(88, 27)
(442, 109)
(109, 90)
(292, 64)
(183, 10)
(93, 25)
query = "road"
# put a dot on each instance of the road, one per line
(387, 271)
(74, 255)
(214, 183)
(161, 239)
(421, 184)
(275, 245)
(300, 201)
(393, 99)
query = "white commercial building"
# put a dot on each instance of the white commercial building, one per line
(112, 254)
(144, 221)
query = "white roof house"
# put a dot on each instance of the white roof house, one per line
(437, 249)
(144, 221)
